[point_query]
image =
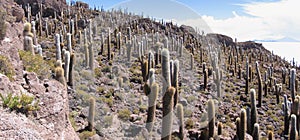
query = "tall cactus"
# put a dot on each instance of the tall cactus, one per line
(293, 132)
(211, 118)
(67, 65)
(129, 47)
(286, 115)
(181, 122)
(91, 57)
(293, 78)
(71, 69)
(205, 79)
(243, 125)
(259, 85)
(108, 45)
(166, 69)
(175, 81)
(247, 78)
(28, 44)
(167, 119)
(58, 49)
(253, 109)
(91, 114)
(69, 42)
(238, 127)
(152, 97)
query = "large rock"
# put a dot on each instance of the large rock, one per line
(51, 121)
(14, 12)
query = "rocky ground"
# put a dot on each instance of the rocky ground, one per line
(117, 85)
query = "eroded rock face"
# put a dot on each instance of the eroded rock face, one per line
(51, 121)
(13, 10)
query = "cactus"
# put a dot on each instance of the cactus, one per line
(91, 57)
(71, 69)
(286, 115)
(91, 114)
(211, 117)
(58, 49)
(277, 93)
(129, 33)
(220, 127)
(238, 127)
(192, 61)
(28, 44)
(259, 85)
(34, 33)
(253, 109)
(205, 79)
(40, 51)
(175, 81)
(67, 65)
(240, 71)
(255, 134)
(166, 69)
(109, 45)
(167, 113)
(69, 42)
(243, 125)
(144, 66)
(295, 107)
(129, 46)
(27, 30)
(293, 132)
(152, 97)
(59, 75)
(247, 78)
(180, 116)
(293, 78)
(203, 67)
(151, 76)
(270, 135)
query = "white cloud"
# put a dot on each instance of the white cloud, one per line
(266, 20)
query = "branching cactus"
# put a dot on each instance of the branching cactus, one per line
(180, 116)
(91, 57)
(211, 117)
(259, 85)
(293, 133)
(166, 69)
(167, 119)
(91, 114)
(243, 125)
(152, 97)
(67, 65)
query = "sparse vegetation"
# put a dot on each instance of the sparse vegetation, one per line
(2, 24)
(6, 67)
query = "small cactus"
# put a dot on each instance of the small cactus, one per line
(167, 119)
(255, 134)
(181, 123)
(59, 75)
(91, 114)
(211, 117)
(220, 127)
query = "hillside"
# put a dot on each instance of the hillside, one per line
(76, 73)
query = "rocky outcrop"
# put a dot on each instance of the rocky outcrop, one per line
(49, 6)
(222, 39)
(14, 12)
(51, 121)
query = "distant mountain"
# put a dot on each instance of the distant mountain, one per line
(285, 39)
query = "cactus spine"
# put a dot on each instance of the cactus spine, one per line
(211, 118)
(166, 69)
(91, 114)
(180, 117)
(152, 97)
(167, 114)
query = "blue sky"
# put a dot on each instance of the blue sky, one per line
(244, 19)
